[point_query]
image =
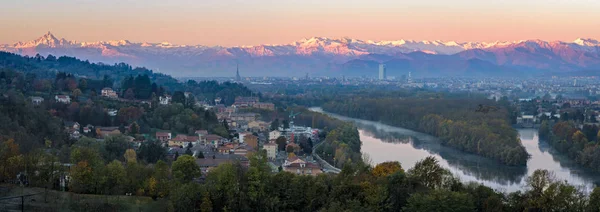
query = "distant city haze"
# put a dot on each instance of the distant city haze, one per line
(237, 23)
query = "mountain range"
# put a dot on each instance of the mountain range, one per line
(334, 57)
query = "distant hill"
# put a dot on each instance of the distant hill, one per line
(48, 67)
(332, 56)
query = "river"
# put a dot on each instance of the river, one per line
(387, 143)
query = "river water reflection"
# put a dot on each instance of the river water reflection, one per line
(387, 143)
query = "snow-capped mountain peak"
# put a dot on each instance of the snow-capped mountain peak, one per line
(586, 42)
(48, 40)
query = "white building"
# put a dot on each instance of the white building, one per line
(271, 150)
(109, 92)
(382, 74)
(165, 100)
(36, 100)
(242, 135)
(274, 134)
(63, 99)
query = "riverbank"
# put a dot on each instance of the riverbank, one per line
(387, 143)
(459, 123)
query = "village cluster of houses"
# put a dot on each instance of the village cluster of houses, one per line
(215, 149)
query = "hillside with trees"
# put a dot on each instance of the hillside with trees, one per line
(578, 144)
(462, 123)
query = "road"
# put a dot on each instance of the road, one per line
(326, 166)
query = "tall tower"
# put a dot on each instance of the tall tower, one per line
(409, 79)
(382, 74)
(237, 72)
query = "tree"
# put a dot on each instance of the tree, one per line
(76, 93)
(440, 200)
(185, 169)
(9, 151)
(151, 151)
(281, 143)
(130, 156)
(115, 147)
(115, 177)
(289, 149)
(206, 205)
(82, 180)
(286, 124)
(179, 97)
(274, 125)
(428, 173)
(134, 128)
(539, 180)
(387, 168)
(129, 94)
(594, 203)
(83, 85)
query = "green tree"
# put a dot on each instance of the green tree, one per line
(274, 125)
(429, 173)
(185, 169)
(134, 128)
(115, 177)
(440, 200)
(151, 151)
(114, 147)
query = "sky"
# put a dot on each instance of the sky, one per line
(253, 22)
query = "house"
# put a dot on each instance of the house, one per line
(251, 140)
(242, 135)
(245, 101)
(306, 168)
(109, 92)
(209, 163)
(226, 149)
(258, 126)
(274, 134)
(103, 132)
(163, 136)
(243, 150)
(165, 100)
(243, 116)
(201, 136)
(300, 167)
(36, 100)
(74, 134)
(88, 128)
(183, 140)
(62, 99)
(72, 125)
(271, 149)
(214, 140)
(264, 106)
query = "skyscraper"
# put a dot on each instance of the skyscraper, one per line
(237, 73)
(382, 74)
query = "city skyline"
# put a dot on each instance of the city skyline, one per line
(234, 23)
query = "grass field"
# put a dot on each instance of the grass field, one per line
(67, 201)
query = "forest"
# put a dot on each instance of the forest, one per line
(181, 186)
(458, 122)
(579, 144)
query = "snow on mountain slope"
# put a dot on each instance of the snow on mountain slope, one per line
(323, 54)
